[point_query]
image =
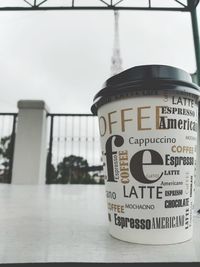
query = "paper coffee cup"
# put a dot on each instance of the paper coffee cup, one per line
(148, 123)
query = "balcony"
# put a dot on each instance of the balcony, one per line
(71, 144)
(57, 219)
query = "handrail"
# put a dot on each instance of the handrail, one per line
(71, 114)
(8, 113)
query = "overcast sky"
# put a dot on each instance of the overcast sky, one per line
(64, 57)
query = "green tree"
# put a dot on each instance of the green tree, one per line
(74, 170)
(101, 180)
(51, 172)
(6, 154)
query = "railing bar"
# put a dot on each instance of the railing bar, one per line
(179, 2)
(49, 151)
(93, 141)
(72, 123)
(28, 3)
(42, 3)
(86, 139)
(10, 124)
(12, 136)
(104, 2)
(32, 8)
(65, 136)
(118, 2)
(9, 114)
(149, 3)
(79, 136)
(2, 126)
(6, 124)
(70, 115)
(58, 141)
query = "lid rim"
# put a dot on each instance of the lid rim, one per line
(146, 77)
(106, 91)
(126, 90)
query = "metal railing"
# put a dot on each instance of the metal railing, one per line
(73, 149)
(7, 140)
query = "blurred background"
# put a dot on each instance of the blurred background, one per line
(63, 58)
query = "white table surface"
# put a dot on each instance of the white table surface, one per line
(68, 223)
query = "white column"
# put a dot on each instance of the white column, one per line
(30, 150)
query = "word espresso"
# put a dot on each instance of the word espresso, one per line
(147, 224)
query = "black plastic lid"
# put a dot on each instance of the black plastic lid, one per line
(145, 77)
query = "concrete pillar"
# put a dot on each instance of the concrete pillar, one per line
(30, 151)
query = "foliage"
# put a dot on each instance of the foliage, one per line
(6, 153)
(101, 181)
(71, 170)
(51, 173)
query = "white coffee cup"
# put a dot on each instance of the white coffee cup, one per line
(148, 123)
